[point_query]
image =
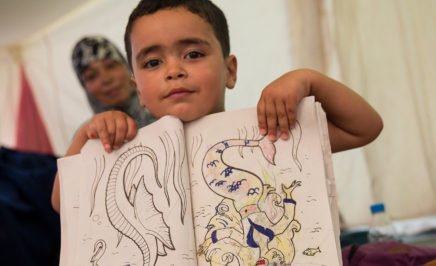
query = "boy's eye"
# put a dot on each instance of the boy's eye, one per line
(194, 55)
(152, 63)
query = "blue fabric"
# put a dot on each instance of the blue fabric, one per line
(29, 228)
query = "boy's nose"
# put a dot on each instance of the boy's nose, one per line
(176, 72)
(176, 75)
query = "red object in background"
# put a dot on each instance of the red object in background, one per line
(31, 131)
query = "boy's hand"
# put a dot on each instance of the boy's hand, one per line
(113, 128)
(277, 106)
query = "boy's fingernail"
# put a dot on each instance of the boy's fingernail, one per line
(107, 148)
(284, 136)
(262, 131)
(116, 147)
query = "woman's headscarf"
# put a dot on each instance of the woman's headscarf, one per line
(91, 48)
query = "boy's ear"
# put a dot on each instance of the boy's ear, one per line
(232, 67)
(138, 92)
(132, 81)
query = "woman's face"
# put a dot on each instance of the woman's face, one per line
(108, 81)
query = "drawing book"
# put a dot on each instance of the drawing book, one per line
(209, 192)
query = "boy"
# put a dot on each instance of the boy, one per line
(179, 53)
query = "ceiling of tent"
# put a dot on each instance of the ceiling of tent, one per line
(20, 19)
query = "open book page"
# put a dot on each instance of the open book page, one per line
(70, 168)
(330, 178)
(257, 202)
(135, 205)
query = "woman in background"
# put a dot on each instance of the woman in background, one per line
(104, 74)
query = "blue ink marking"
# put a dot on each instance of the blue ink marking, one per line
(219, 151)
(220, 183)
(210, 226)
(246, 142)
(214, 237)
(211, 182)
(213, 163)
(228, 171)
(253, 191)
(289, 201)
(226, 145)
(235, 185)
(264, 231)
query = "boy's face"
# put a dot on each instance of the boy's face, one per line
(178, 65)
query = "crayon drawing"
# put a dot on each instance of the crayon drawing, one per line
(253, 223)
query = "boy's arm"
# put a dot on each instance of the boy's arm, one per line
(352, 121)
(113, 128)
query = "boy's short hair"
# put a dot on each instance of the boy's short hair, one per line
(203, 8)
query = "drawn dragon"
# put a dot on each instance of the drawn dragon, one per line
(242, 223)
(142, 222)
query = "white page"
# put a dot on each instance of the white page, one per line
(330, 177)
(69, 187)
(158, 230)
(301, 233)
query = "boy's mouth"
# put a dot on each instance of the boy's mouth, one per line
(178, 93)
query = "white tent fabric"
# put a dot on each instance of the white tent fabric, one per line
(384, 51)
(9, 95)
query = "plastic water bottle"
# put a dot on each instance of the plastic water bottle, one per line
(381, 228)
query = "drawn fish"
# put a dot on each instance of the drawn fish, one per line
(311, 251)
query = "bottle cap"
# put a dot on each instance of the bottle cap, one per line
(377, 207)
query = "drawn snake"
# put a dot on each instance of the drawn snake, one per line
(142, 223)
(242, 186)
